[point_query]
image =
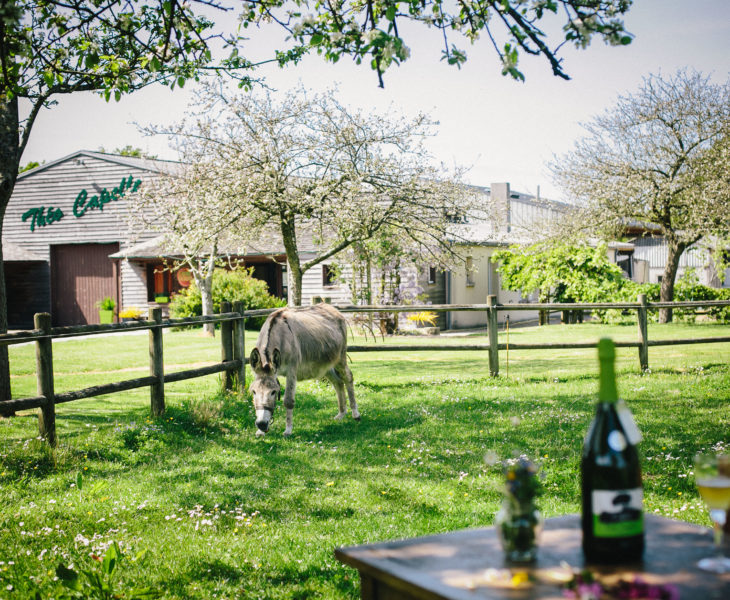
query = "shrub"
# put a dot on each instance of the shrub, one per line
(231, 286)
(686, 289)
(689, 289)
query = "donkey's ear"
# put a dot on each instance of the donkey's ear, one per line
(277, 359)
(255, 359)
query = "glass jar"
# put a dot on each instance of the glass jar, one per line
(518, 527)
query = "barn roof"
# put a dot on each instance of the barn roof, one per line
(147, 164)
(267, 243)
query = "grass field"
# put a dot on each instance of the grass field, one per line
(204, 509)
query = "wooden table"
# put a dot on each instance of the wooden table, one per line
(470, 565)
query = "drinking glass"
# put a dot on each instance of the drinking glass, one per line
(712, 475)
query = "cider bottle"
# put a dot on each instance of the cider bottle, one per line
(612, 494)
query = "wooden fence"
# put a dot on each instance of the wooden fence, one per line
(233, 359)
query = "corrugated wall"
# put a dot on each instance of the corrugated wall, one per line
(654, 250)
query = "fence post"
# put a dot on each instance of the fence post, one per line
(44, 374)
(492, 333)
(157, 370)
(227, 345)
(643, 334)
(239, 345)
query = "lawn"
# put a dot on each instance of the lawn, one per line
(204, 509)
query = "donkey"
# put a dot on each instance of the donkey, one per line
(300, 343)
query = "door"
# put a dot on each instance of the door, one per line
(81, 275)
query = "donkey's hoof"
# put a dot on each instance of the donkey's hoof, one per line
(287, 434)
(357, 418)
(340, 416)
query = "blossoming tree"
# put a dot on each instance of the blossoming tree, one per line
(304, 161)
(659, 159)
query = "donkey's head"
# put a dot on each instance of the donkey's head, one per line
(265, 387)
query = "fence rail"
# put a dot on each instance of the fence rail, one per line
(233, 359)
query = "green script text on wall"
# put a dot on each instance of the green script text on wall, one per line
(40, 217)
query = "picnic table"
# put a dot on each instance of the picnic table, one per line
(470, 564)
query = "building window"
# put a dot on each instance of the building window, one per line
(625, 260)
(470, 271)
(329, 275)
(432, 275)
(160, 283)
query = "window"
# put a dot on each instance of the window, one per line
(457, 216)
(329, 275)
(432, 275)
(160, 282)
(625, 260)
(284, 281)
(470, 271)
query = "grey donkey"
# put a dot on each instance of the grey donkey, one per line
(300, 343)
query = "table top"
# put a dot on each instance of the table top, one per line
(470, 564)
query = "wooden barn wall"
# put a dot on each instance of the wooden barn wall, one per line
(312, 285)
(29, 292)
(134, 288)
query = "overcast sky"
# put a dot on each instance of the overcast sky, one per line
(503, 130)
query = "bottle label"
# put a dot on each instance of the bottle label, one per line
(617, 441)
(627, 422)
(617, 513)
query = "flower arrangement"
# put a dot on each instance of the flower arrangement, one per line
(131, 312)
(522, 484)
(585, 586)
(425, 316)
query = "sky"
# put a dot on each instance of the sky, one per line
(500, 129)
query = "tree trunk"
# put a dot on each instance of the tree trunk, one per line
(9, 160)
(666, 291)
(289, 237)
(369, 282)
(204, 280)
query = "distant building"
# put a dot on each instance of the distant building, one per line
(67, 244)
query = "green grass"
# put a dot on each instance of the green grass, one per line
(223, 514)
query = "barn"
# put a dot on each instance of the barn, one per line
(67, 241)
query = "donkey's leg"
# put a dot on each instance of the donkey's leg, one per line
(334, 377)
(291, 388)
(343, 370)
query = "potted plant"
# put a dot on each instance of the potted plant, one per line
(106, 310)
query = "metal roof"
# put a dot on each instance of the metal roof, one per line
(148, 164)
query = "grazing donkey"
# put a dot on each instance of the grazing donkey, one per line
(300, 343)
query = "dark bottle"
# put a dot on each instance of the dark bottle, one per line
(613, 518)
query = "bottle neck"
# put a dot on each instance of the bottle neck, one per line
(607, 391)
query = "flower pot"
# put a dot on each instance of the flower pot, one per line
(106, 316)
